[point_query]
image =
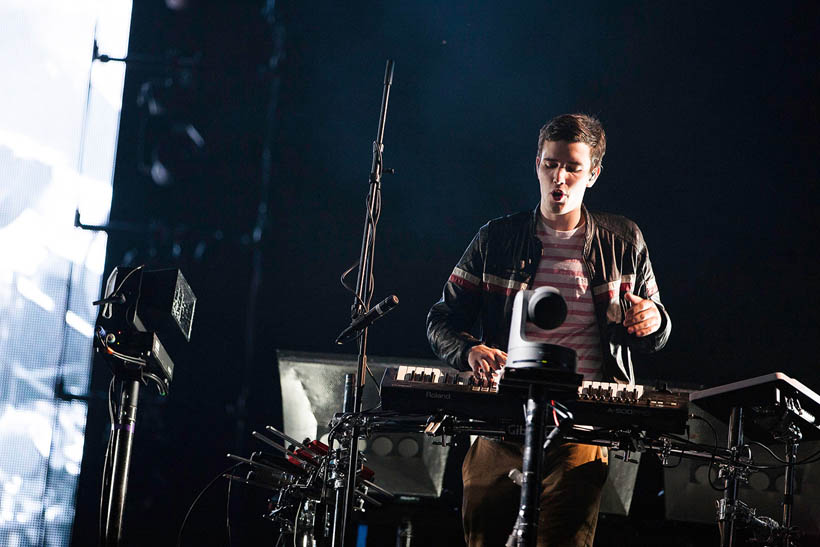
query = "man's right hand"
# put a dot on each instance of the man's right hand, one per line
(484, 360)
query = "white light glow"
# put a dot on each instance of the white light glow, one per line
(27, 148)
(32, 424)
(30, 291)
(72, 468)
(79, 324)
(13, 486)
(52, 512)
(59, 117)
(19, 245)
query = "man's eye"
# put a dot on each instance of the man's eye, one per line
(550, 165)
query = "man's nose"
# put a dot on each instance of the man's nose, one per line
(560, 175)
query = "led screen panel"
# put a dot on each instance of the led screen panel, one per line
(59, 114)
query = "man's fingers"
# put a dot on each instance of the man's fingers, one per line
(645, 332)
(480, 367)
(637, 317)
(638, 307)
(643, 317)
(485, 360)
(645, 328)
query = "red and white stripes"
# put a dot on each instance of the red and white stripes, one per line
(562, 267)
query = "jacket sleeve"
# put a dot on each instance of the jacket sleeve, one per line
(451, 318)
(647, 287)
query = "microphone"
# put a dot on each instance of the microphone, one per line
(365, 320)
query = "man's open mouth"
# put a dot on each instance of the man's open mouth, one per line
(557, 195)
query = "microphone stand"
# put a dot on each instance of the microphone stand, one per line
(114, 495)
(364, 288)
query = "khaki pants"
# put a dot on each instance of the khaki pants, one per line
(573, 476)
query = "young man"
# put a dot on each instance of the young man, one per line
(600, 264)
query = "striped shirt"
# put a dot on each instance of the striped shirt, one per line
(562, 267)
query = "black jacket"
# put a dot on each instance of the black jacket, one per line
(502, 260)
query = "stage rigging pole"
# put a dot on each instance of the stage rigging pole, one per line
(361, 304)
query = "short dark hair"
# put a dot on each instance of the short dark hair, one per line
(576, 128)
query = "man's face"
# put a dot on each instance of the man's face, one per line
(564, 174)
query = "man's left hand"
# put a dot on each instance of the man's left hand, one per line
(643, 318)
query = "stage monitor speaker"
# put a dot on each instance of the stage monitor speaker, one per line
(407, 464)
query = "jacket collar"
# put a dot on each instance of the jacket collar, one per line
(588, 233)
(536, 213)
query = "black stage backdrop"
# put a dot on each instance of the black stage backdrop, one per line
(711, 116)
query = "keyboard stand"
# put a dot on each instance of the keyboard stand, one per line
(774, 407)
(542, 385)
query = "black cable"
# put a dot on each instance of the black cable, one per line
(106, 461)
(161, 386)
(351, 289)
(342, 420)
(809, 459)
(693, 444)
(769, 450)
(348, 287)
(709, 477)
(373, 221)
(812, 458)
(373, 217)
(714, 453)
(561, 409)
(196, 499)
(228, 512)
(345, 417)
(370, 373)
(129, 274)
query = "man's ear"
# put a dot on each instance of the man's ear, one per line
(593, 177)
(537, 164)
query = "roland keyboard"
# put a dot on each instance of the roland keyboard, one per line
(430, 390)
